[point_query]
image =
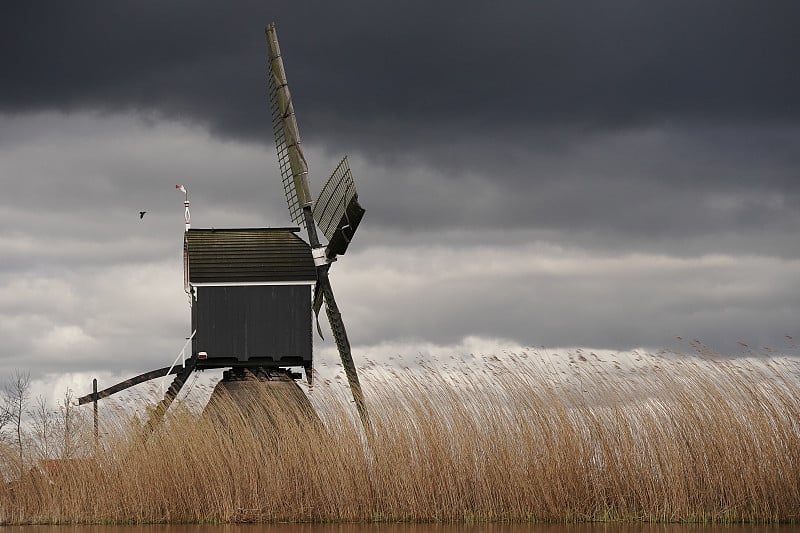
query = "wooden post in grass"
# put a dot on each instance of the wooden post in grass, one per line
(94, 401)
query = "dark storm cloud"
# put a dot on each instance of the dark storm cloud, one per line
(362, 68)
(676, 117)
(683, 191)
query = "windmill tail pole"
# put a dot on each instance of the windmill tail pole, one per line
(160, 410)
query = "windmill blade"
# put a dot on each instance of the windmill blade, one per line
(324, 292)
(337, 211)
(292, 162)
(343, 346)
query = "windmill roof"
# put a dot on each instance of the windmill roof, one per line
(248, 255)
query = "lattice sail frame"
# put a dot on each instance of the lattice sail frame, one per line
(295, 211)
(333, 199)
(291, 161)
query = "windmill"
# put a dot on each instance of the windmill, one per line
(250, 288)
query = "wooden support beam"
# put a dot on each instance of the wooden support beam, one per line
(121, 386)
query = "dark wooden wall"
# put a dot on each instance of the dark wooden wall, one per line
(260, 324)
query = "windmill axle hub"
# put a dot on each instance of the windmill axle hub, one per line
(320, 257)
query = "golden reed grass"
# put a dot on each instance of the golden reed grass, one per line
(663, 439)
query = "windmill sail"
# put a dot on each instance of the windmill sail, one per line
(292, 162)
(294, 173)
(337, 211)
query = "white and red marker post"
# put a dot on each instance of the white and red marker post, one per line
(186, 202)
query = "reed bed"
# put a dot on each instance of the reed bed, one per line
(656, 439)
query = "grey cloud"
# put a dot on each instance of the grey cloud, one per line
(359, 65)
(655, 146)
(541, 296)
(122, 317)
(86, 286)
(640, 189)
(74, 185)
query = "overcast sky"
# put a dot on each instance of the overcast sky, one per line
(610, 175)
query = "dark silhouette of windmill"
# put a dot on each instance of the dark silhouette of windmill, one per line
(254, 291)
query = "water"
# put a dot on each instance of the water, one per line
(411, 528)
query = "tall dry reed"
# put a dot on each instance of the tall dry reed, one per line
(662, 439)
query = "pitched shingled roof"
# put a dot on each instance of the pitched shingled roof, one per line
(248, 255)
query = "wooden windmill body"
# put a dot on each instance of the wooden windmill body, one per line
(254, 291)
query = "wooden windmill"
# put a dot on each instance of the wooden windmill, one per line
(254, 291)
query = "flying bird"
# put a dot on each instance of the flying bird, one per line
(141, 214)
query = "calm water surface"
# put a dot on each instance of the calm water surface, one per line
(408, 528)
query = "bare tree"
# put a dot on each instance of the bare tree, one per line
(42, 427)
(16, 393)
(68, 425)
(5, 413)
